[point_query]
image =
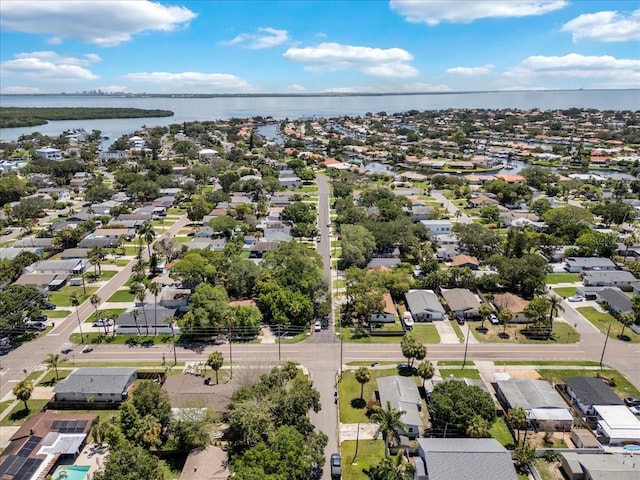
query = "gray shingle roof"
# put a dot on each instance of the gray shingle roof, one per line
(616, 298)
(402, 393)
(423, 300)
(592, 391)
(466, 459)
(460, 299)
(528, 394)
(110, 380)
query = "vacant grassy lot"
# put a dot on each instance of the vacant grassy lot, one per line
(622, 386)
(19, 415)
(459, 373)
(555, 278)
(602, 321)
(424, 333)
(566, 291)
(370, 452)
(122, 296)
(562, 333)
(62, 297)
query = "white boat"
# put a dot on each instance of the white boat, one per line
(407, 319)
(508, 166)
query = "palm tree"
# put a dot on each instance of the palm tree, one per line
(629, 241)
(505, 316)
(135, 313)
(52, 361)
(517, 419)
(626, 319)
(485, 310)
(141, 294)
(362, 376)
(389, 423)
(425, 371)
(555, 307)
(147, 233)
(23, 392)
(96, 256)
(477, 427)
(76, 303)
(95, 301)
(155, 289)
(215, 361)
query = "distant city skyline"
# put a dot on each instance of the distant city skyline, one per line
(296, 46)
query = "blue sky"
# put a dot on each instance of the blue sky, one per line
(296, 46)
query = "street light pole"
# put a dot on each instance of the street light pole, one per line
(466, 345)
(230, 356)
(605, 345)
(173, 336)
(279, 336)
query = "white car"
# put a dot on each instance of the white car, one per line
(576, 298)
(317, 326)
(102, 322)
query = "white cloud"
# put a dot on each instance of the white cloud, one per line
(101, 22)
(21, 90)
(201, 81)
(295, 87)
(604, 26)
(265, 38)
(377, 62)
(49, 66)
(433, 12)
(471, 71)
(574, 65)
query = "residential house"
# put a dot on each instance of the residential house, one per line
(388, 262)
(617, 425)
(208, 463)
(96, 384)
(43, 442)
(60, 194)
(41, 244)
(615, 278)
(614, 300)
(424, 305)
(514, 303)
(585, 392)
(463, 458)
(59, 267)
(258, 249)
(402, 394)
(482, 201)
(420, 212)
(150, 320)
(594, 466)
(49, 153)
(465, 261)
(389, 312)
(174, 298)
(544, 406)
(437, 227)
(289, 180)
(43, 281)
(585, 264)
(462, 302)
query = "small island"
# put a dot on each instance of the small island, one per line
(11, 117)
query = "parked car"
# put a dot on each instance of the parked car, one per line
(576, 298)
(8, 231)
(317, 326)
(41, 317)
(493, 319)
(48, 306)
(102, 322)
(35, 326)
(632, 401)
(460, 320)
(87, 349)
(336, 466)
(635, 410)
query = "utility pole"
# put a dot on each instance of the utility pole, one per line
(605, 345)
(230, 356)
(175, 355)
(466, 345)
(279, 336)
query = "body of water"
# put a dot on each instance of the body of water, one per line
(191, 109)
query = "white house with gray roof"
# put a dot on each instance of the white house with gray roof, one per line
(463, 458)
(109, 384)
(402, 394)
(424, 305)
(582, 264)
(613, 278)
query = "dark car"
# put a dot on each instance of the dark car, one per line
(336, 466)
(48, 306)
(632, 401)
(41, 317)
(460, 320)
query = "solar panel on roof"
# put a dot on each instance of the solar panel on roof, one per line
(28, 447)
(15, 465)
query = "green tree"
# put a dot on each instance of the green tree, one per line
(517, 419)
(155, 289)
(357, 244)
(505, 316)
(198, 208)
(96, 256)
(23, 391)
(389, 422)
(140, 293)
(363, 377)
(149, 398)
(524, 454)
(52, 361)
(484, 310)
(224, 224)
(477, 427)
(567, 222)
(127, 461)
(148, 432)
(425, 371)
(454, 403)
(412, 349)
(148, 234)
(192, 428)
(215, 361)
(537, 310)
(626, 319)
(477, 240)
(391, 468)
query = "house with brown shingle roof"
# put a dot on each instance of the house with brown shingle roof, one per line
(389, 312)
(513, 302)
(465, 261)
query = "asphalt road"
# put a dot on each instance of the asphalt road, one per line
(451, 208)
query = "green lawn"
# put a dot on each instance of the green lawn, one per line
(57, 313)
(183, 239)
(4, 405)
(104, 312)
(562, 333)
(459, 373)
(352, 409)
(426, 333)
(99, 337)
(105, 415)
(501, 433)
(566, 291)
(454, 363)
(458, 330)
(122, 296)
(49, 380)
(370, 452)
(19, 415)
(62, 297)
(177, 211)
(623, 387)
(602, 321)
(559, 363)
(108, 274)
(555, 278)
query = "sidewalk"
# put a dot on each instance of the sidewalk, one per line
(447, 333)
